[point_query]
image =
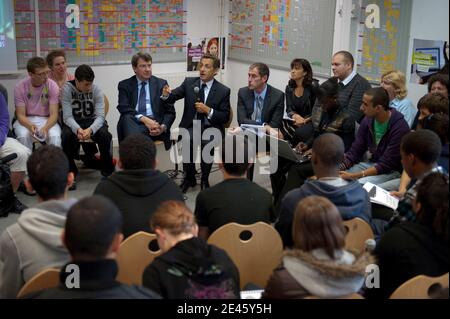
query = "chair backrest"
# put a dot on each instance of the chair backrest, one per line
(48, 278)
(106, 101)
(134, 255)
(358, 231)
(420, 287)
(255, 257)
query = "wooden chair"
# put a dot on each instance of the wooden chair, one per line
(48, 278)
(256, 257)
(134, 255)
(420, 287)
(358, 231)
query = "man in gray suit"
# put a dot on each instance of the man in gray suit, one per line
(259, 103)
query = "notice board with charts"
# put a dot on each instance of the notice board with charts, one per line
(385, 48)
(277, 31)
(110, 31)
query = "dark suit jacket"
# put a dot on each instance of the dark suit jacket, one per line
(273, 108)
(218, 100)
(163, 112)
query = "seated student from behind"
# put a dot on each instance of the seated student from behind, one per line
(138, 188)
(349, 196)
(189, 268)
(33, 243)
(92, 235)
(318, 265)
(417, 247)
(217, 206)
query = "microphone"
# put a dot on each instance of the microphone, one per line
(197, 91)
(8, 158)
(370, 245)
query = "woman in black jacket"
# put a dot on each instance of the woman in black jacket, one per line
(189, 268)
(300, 99)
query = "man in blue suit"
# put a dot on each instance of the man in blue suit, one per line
(141, 109)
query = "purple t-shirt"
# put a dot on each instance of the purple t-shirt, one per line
(36, 100)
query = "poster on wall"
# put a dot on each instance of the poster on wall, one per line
(429, 57)
(196, 48)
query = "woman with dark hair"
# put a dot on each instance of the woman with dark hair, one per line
(328, 116)
(416, 248)
(300, 99)
(318, 265)
(189, 267)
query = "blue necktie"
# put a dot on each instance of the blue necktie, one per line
(142, 105)
(258, 111)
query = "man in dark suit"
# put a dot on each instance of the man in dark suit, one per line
(259, 103)
(141, 109)
(207, 103)
(351, 85)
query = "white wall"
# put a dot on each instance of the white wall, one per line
(429, 21)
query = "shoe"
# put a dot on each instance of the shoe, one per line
(92, 162)
(204, 184)
(186, 184)
(18, 207)
(24, 190)
(74, 185)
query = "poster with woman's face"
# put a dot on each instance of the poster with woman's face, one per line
(196, 48)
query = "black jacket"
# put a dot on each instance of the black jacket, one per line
(182, 272)
(218, 99)
(97, 281)
(137, 194)
(273, 109)
(405, 251)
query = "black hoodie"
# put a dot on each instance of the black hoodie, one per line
(193, 269)
(406, 251)
(138, 193)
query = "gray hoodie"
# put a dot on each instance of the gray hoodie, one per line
(32, 245)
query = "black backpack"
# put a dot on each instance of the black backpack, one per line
(6, 190)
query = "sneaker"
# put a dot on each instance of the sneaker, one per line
(18, 207)
(24, 190)
(74, 185)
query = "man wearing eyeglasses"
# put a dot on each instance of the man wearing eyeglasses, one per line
(36, 101)
(141, 109)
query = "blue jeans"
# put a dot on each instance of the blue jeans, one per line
(377, 179)
(392, 185)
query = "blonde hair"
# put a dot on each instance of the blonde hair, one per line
(173, 216)
(398, 80)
